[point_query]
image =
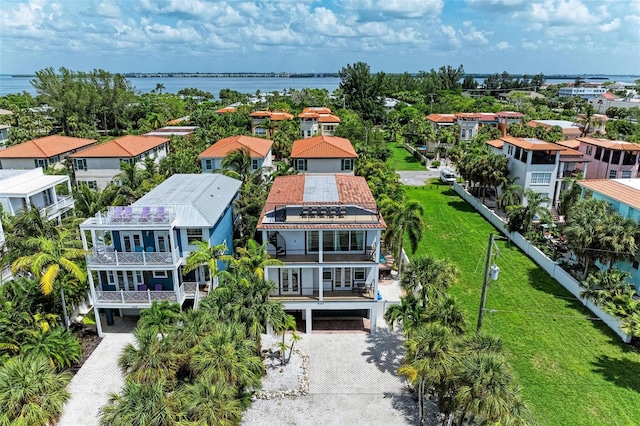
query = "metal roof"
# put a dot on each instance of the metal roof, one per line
(199, 200)
(24, 183)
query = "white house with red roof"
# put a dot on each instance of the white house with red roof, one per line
(42, 152)
(323, 154)
(259, 151)
(259, 117)
(326, 229)
(97, 166)
(318, 121)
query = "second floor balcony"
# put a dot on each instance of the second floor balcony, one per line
(105, 256)
(63, 204)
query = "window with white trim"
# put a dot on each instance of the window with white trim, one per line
(160, 274)
(301, 164)
(193, 235)
(347, 164)
(626, 174)
(540, 178)
(589, 150)
(208, 164)
(80, 163)
(613, 174)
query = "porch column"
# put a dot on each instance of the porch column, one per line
(373, 317)
(96, 311)
(83, 235)
(320, 284)
(176, 285)
(320, 261)
(320, 247)
(308, 321)
(376, 275)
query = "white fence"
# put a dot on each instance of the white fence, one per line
(559, 274)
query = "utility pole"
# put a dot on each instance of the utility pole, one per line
(485, 283)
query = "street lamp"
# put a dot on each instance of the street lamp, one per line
(492, 272)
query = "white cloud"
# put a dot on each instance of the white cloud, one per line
(108, 9)
(325, 22)
(503, 45)
(611, 26)
(383, 10)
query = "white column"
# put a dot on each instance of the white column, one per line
(320, 261)
(376, 274)
(176, 285)
(320, 284)
(373, 317)
(96, 311)
(308, 323)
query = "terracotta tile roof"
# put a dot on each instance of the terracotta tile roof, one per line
(615, 190)
(496, 143)
(531, 144)
(125, 146)
(468, 115)
(317, 110)
(289, 191)
(272, 115)
(323, 147)
(488, 116)
(608, 96)
(258, 148)
(46, 147)
(573, 144)
(598, 118)
(322, 114)
(509, 114)
(609, 144)
(442, 118)
(226, 109)
(328, 119)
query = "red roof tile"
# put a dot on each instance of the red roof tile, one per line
(226, 109)
(609, 144)
(323, 147)
(322, 114)
(509, 114)
(125, 146)
(442, 118)
(258, 148)
(46, 147)
(272, 115)
(496, 143)
(615, 190)
(531, 144)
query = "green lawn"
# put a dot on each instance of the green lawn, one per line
(401, 159)
(573, 369)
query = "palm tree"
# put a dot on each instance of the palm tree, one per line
(150, 359)
(239, 163)
(50, 257)
(130, 179)
(511, 193)
(31, 392)
(448, 312)
(159, 317)
(56, 345)
(569, 196)
(427, 277)
(406, 219)
(534, 208)
(409, 314)
(205, 255)
(211, 403)
(144, 404)
(254, 258)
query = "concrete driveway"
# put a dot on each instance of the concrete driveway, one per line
(418, 178)
(352, 381)
(96, 379)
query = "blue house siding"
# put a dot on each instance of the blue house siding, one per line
(222, 232)
(626, 211)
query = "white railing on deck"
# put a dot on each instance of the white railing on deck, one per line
(54, 208)
(99, 257)
(138, 297)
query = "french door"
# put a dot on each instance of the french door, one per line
(342, 278)
(290, 281)
(131, 241)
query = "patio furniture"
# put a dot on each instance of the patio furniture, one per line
(159, 214)
(331, 212)
(146, 213)
(322, 212)
(117, 213)
(142, 287)
(158, 287)
(359, 287)
(126, 214)
(342, 212)
(305, 212)
(149, 249)
(313, 212)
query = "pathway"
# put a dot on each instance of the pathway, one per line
(95, 381)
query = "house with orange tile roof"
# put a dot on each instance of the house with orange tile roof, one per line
(570, 130)
(318, 121)
(610, 159)
(323, 154)
(326, 230)
(42, 152)
(226, 110)
(259, 151)
(623, 195)
(259, 117)
(97, 166)
(469, 123)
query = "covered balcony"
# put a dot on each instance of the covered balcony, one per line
(106, 256)
(144, 297)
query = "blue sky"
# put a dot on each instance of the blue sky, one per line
(518, 36)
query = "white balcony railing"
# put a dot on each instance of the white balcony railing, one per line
(123, 297)
(131, 215)
(116, 258)
(63, 204)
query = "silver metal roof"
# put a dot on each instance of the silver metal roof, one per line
(198, 200)
(320, 189)
(24, 183)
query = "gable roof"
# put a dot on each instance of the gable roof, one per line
(258, 148)
(609, 144)
(626, 191)
(46, 147)
(322, 114)
(442, 118)
(272, 115)
(226, 109)
(173, 130)
(125, 146)
(509, 114)
(468, 115)
(323, 147)
(496, 143)
(532, 144)
(199, 200)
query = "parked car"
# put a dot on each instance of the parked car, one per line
(447, 176)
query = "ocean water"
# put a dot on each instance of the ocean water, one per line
(249, 85)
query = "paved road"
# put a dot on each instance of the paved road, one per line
(98, 377)
(352, 381)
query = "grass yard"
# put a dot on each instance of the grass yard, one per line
(401, 159)
(573, 369)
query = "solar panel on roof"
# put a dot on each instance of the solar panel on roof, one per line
(320, 189)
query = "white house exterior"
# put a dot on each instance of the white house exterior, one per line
(259, 117)
(4, 134)
(97, 166)
(42, 152)
(259, 151)
(317, 121)
(323, 154)
(173, 131)
(21, 189)
(585, 92)
(326, 229)
(137, 253)
(534, 162)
